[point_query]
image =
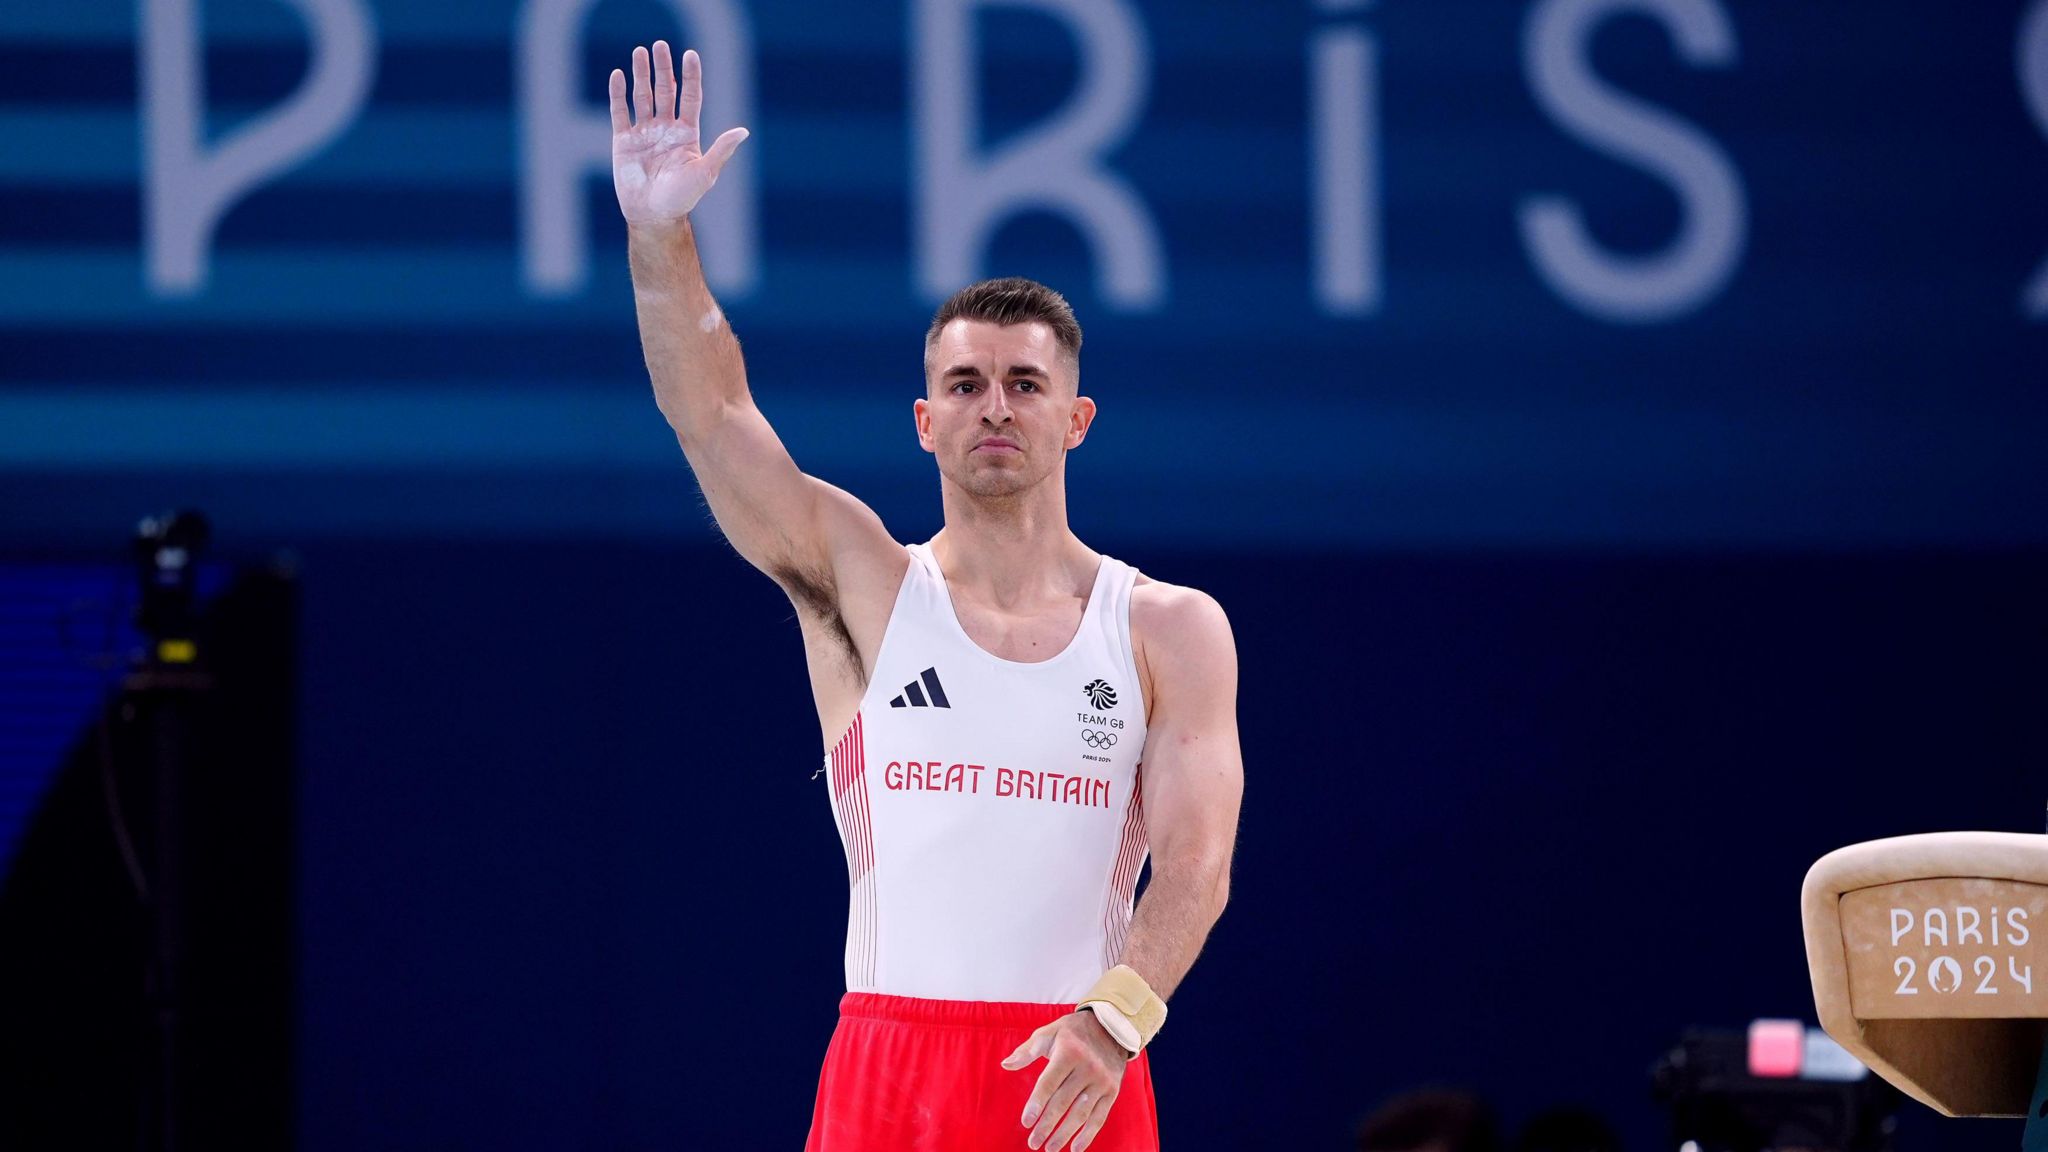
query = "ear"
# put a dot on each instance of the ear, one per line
(921, 414)
(1078, 420)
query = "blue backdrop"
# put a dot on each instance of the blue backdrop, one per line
(1612, 425)
(1510, 822)
(1581, 271)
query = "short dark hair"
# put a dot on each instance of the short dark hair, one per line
(1011, 300)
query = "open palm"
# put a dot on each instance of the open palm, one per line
(659, 166)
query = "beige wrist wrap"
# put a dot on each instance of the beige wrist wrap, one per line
(1127, 1007)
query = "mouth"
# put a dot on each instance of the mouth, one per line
(996, 444)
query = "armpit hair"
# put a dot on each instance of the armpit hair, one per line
(813, 591)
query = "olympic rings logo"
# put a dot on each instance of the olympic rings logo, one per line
(1095, 739)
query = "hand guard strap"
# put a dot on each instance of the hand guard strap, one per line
(1127, 1007)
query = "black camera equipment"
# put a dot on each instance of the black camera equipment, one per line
(1731, 1092)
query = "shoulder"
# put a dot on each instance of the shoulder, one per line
(1167, 612)
(1181, 637)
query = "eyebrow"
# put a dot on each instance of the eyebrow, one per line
(1015, 370)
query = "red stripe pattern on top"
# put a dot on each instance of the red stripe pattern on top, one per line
(850, 800)
(1123, 881)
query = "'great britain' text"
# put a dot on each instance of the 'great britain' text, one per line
(1017, 783)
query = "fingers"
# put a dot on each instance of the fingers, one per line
(622, 118)
(643, 92)
(693, 89)
(1056, 1085)
(723, 148)
(1041, 1040)
(1084, 1107)
(1056, 1109)
(1096, 1118)
(655, 92)
(664, 82)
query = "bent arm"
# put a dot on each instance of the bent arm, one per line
(1194, 783)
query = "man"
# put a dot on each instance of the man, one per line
(984, 697)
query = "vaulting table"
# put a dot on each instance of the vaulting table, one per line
(1928, 964)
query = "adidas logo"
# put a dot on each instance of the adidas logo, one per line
(923, 692)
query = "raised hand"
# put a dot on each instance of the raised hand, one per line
(660, 168)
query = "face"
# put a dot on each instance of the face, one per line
(1001, 408)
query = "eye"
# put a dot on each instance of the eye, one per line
(1028, 385)
(964, 384)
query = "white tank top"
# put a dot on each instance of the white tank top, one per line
(990, 809)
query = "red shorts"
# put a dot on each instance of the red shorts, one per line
(907, 1074)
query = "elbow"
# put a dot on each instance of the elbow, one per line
(696, 425)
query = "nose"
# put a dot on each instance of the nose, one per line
(997, 409)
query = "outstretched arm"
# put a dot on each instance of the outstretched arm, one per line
(797, 529)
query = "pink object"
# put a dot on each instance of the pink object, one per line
(1776, 1047)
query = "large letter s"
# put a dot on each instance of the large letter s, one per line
(1699, 262)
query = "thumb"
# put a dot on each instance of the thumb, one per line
(723, 147)
(1039, 1044)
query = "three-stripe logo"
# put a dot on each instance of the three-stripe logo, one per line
(923, 692)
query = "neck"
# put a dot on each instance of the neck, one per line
(1012, 549)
